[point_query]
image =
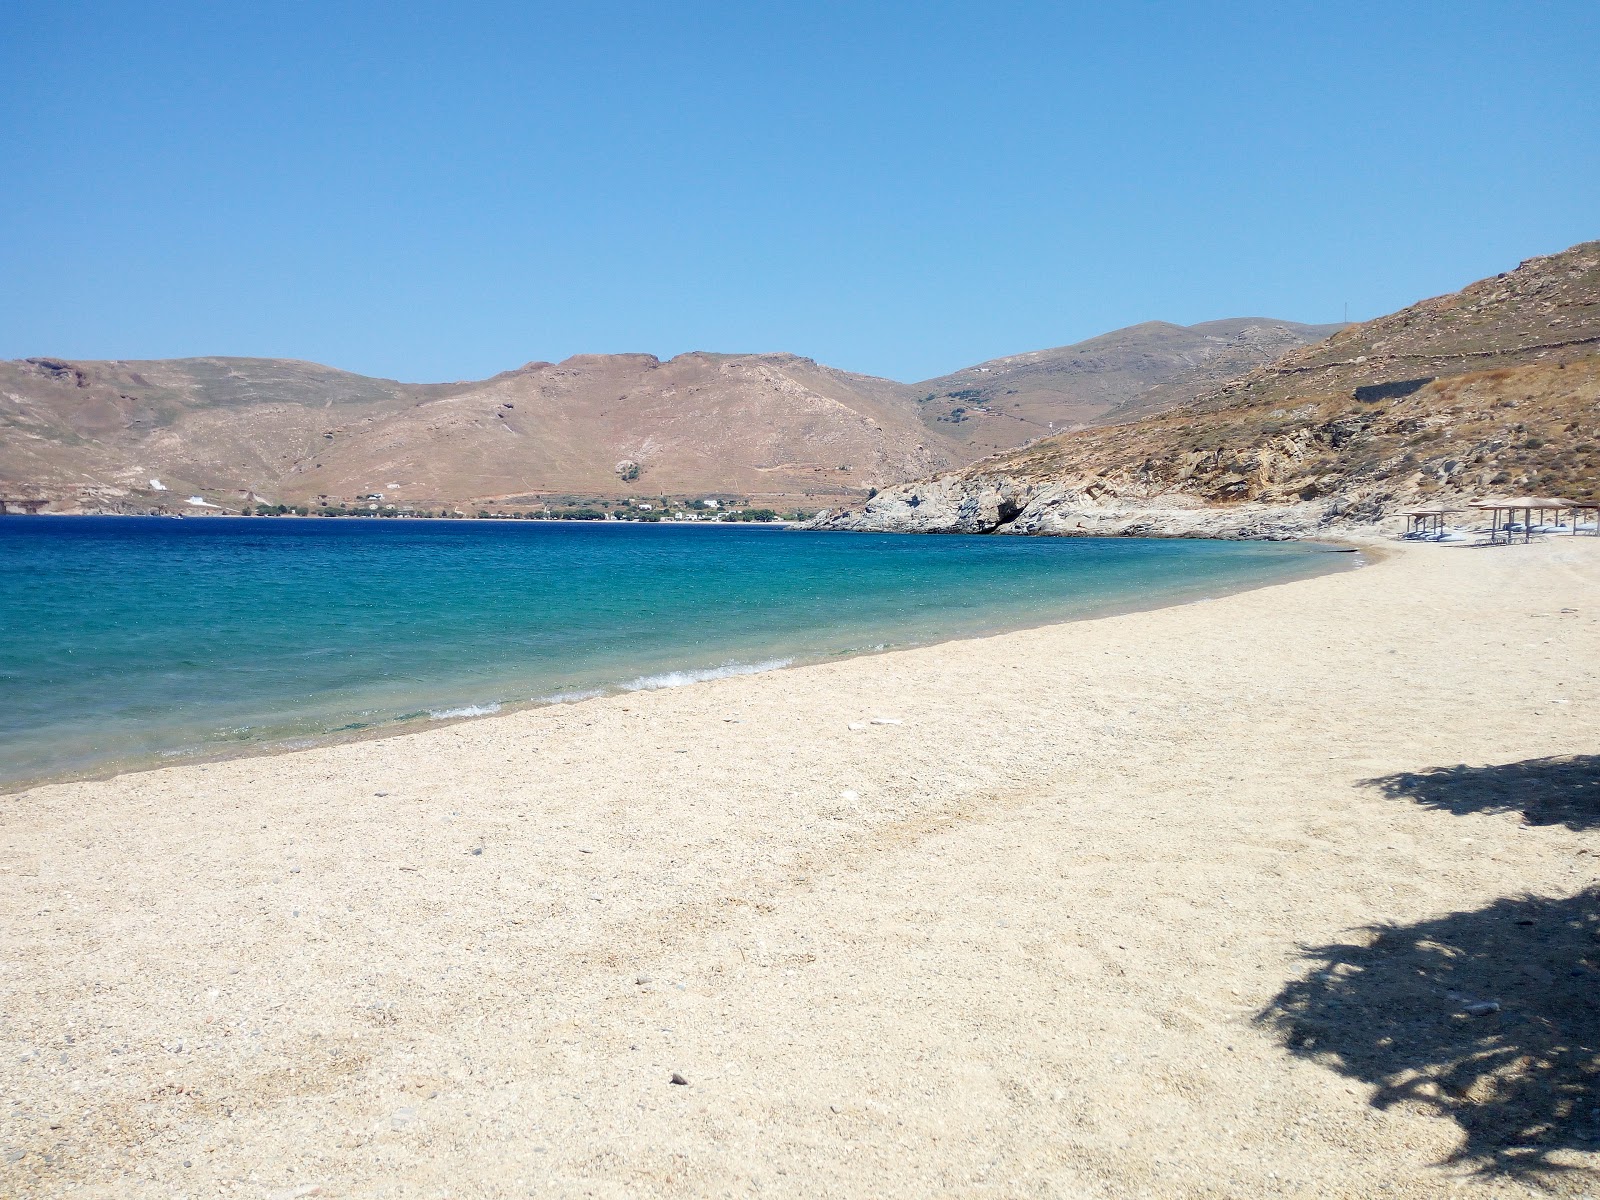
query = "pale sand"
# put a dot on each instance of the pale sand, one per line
(1015, 945)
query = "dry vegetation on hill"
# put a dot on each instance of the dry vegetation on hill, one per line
(1494, 388)
(1529, 429)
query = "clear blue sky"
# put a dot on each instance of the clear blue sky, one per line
(442, 191)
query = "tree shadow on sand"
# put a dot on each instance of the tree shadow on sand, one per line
(1564, 790)
(1490, 1018)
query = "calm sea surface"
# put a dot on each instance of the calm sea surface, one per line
(126, 641)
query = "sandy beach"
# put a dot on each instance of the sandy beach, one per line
(1276, 894)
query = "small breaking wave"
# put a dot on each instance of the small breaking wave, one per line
(874, 648)
(470, 710)
(669, 679)
(570, 697)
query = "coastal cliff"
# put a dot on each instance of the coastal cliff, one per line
(1493, 388)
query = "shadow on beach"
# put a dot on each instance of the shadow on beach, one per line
(1564, 790)
(1490, 1018)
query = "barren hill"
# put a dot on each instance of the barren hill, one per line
(1143, 368)
(1490, 389)
(770, 425)
(781, 429)
(594, 425)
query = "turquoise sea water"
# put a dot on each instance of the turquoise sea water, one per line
(126, 641)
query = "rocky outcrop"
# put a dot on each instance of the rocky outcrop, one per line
(946, 504)
(998, 504)
(1344, 434)
(1332, 463)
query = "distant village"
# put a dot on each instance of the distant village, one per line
(726, 508)
(246, 503)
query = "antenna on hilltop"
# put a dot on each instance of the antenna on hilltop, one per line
(1347, 312)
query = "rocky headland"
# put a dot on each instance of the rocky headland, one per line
(1492, 389)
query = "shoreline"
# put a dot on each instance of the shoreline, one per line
(1365, 553)
(1210, 899)
(780, 523)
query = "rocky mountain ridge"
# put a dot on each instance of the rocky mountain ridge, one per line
(1494, 388)
(1143, 368)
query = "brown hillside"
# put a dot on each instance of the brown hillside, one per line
(768, 425)
(777, 428)
(1503, 409)
(1531, 428)
(96, 434)
(1491, 389)
(1116, 376)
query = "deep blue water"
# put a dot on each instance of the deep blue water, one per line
(128, 640)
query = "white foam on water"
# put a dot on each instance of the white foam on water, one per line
(667, 679)
(570, 697)
(470, 710)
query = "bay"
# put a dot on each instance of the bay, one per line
(130, 641)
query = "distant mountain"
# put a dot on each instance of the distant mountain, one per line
(778, 428)
(772, 425)
(1116, 376)
(1492, 389)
